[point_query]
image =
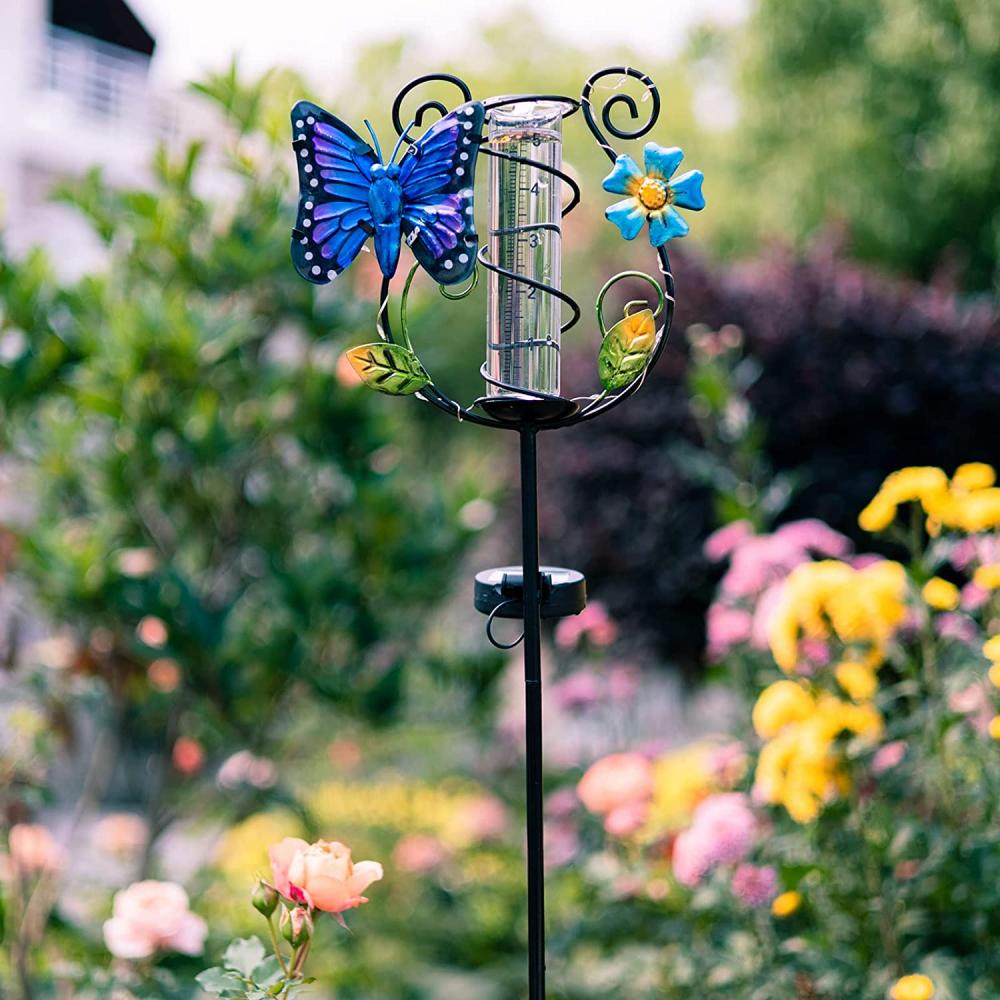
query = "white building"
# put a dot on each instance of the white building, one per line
(75, 91)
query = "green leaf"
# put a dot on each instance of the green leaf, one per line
(267, 972)
(244, 955)
(216, 980)
(626, 349)
(388, 368)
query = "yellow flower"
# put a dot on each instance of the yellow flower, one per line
(863, 606)
(995, 727)
(987, 577)
(940, 594)
(991, 648)
(786, 904)
(800, 767)
(979, 511)
(857, 679)
(924, 483)
(913, 483)
(912, 988)
(878, 515)
(969, 502)
(681, 779)
(778, 705)
(994, 674)
(973, 476)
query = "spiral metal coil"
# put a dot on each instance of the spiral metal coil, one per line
(596, 405)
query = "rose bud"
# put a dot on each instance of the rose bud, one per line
(264, 898)
(296, 926)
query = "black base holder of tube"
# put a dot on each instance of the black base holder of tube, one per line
(531, 592)
(500, 592)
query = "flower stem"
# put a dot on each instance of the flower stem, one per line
(300, 958)
(276, 945)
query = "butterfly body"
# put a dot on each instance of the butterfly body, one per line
(347, 193)
(385, 199)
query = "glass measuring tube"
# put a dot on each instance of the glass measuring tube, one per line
(522, 333)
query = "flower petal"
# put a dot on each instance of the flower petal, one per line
(628, 215)
(365, 872)
(189, 938)
(687, 190)
(665, 225)
(662, 161)
(281, 856)
(624, 177)
(124, 940)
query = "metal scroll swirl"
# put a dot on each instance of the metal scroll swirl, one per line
(593, 406)
(426, 106)
(623, 72)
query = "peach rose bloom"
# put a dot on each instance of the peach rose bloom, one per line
(123, 834)
(620, 779)
(188, 755)
(153, 916)
(321, 874)
(33, 849)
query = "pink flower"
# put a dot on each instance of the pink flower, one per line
(561, 804)
(759, 561)
(767, 604)
(727, 627)
(952, 625)
(690, 859)
(477, 820)
(617, 780)
(281, 856)
(578, 691)
(721, 832)
(888, 756)
(721, 542)
(562, 844)
(973, 597)
(755, 886)
(593, 623)
(974, 702)
(982, 549)
(33, 850)
(728, 825)
(623, 682)
(817, 537)
(245, 768)
(419, 854)
(153, 916)
(625, 820)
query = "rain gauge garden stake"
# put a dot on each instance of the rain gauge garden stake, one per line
(422, 195)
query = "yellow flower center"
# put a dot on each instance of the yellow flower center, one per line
(653, 193)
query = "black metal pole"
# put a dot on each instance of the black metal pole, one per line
(533, 713)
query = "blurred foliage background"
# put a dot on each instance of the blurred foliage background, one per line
(233, 547)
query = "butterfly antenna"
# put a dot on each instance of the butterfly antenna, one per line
(378, 148)
(399, 141)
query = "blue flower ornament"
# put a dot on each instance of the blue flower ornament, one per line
(652, 195)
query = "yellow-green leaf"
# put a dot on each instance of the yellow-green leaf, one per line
(388, 368)
(626, 350)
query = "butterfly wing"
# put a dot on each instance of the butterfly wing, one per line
(334, 219)
(436, 177)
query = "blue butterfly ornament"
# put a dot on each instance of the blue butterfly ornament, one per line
(348, 193)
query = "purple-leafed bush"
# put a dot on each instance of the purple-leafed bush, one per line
(860, 374)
